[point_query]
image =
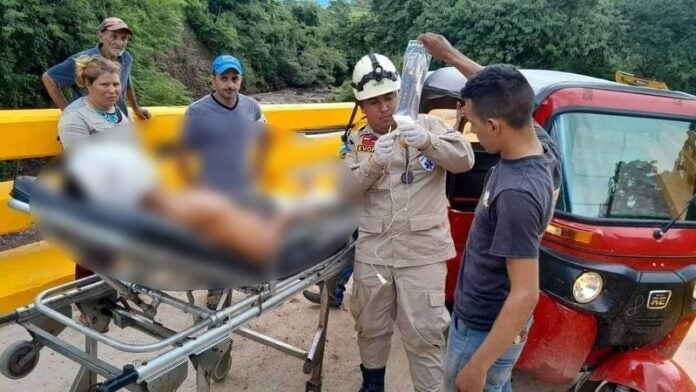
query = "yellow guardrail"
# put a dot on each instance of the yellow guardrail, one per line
(32, 133)
(27, 270)
(30, 269)
(10, 220)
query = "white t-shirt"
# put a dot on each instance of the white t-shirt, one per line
(80, 120)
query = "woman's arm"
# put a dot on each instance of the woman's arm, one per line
(72, 129)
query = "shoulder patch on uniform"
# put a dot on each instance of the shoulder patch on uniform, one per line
(426, 163)
(343, 150)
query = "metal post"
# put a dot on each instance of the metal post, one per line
(315, 381)
(86, 379)
(202, 379)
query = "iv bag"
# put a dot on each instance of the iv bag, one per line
(415, 70)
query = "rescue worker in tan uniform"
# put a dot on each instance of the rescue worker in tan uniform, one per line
(404, 234)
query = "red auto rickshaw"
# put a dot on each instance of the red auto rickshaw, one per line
(618, 261)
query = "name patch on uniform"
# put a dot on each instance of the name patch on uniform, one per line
(367, 143)
(427, 164)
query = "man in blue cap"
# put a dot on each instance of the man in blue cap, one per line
(223, 129)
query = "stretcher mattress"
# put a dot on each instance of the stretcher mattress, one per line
(140, 247)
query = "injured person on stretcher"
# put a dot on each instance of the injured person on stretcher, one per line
(221, 221)
(112, 203)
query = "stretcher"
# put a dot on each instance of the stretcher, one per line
(107, 300)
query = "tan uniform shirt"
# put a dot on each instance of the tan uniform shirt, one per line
(407, 225)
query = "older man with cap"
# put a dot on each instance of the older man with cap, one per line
(113, 38)
(223, 129)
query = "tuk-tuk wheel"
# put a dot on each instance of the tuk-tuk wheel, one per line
(223, 366)
(601, 386)
(14, 363)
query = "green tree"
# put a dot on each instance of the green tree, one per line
(35, 35)
(351, 28)
(660, 41)
(397, 21)
(281, 43)
(319, 63)
(569, 35)
(158, 27)
(295, 43)
(38, 34)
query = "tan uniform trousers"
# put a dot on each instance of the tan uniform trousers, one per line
(414, 298)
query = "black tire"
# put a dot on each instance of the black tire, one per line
(602, 386)
(10, 360)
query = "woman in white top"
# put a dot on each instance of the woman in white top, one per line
(97, 110)
(93, 113)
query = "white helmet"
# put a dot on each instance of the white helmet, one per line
(374, 75)
(116, 175)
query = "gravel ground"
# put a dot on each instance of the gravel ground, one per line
(258, 368)
(10, 241)
(296, 96)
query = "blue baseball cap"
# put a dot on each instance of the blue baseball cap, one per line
(225, 62)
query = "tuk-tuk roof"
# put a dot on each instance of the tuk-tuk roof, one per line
(442, 87)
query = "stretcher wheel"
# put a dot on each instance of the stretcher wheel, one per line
(223, 366)
(11, 364)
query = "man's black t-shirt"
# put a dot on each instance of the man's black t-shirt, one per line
(515, 207)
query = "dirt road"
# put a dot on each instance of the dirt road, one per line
(257, 368)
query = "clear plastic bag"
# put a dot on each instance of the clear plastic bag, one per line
(415, 70)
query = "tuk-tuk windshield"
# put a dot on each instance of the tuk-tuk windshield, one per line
(626, 167)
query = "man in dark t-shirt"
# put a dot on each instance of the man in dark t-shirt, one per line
(515, 194)
(498, 282)
(225, 129)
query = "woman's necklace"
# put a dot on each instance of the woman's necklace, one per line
(113, 117)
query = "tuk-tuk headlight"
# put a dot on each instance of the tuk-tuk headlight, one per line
(587, 287)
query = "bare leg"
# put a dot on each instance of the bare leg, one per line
(221, 221)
